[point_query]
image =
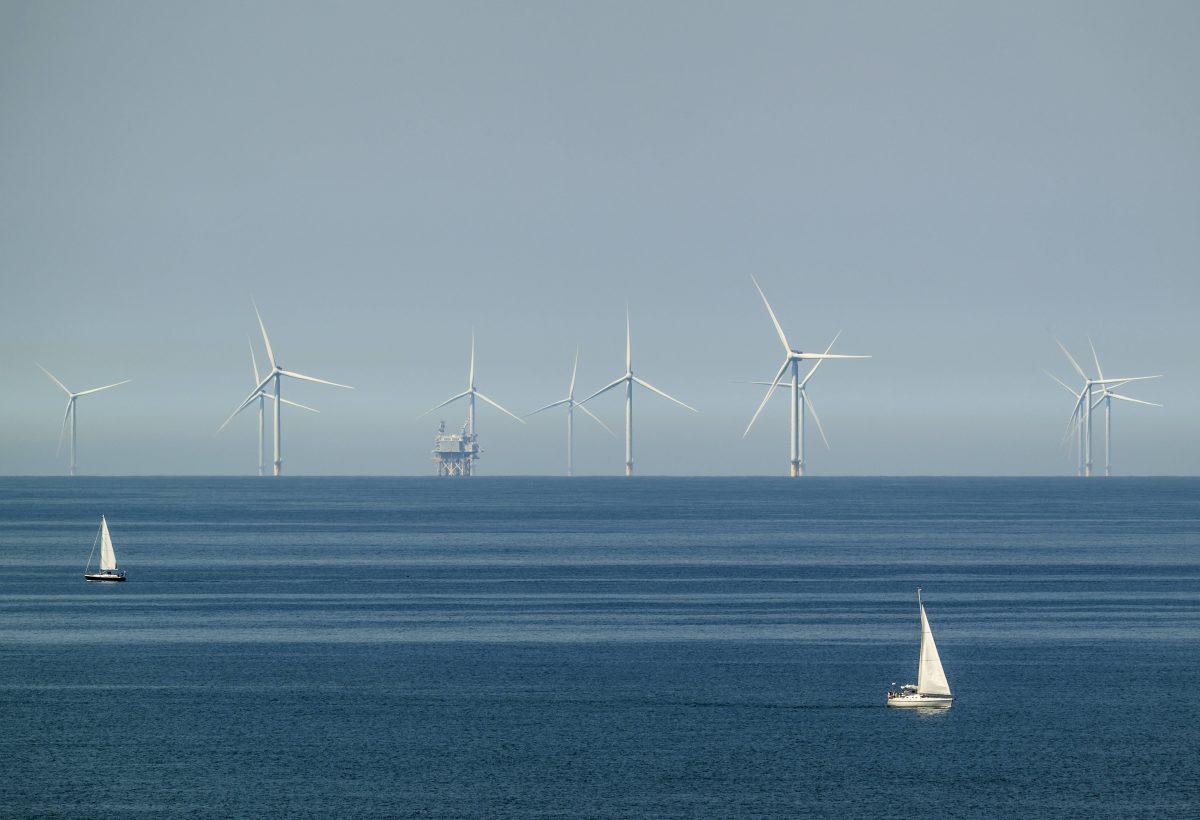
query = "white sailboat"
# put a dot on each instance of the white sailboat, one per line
(108, 559)
(931, 688)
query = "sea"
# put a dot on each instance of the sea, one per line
(599, 647)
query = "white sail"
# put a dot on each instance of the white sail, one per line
(931, 678)
(108, 558)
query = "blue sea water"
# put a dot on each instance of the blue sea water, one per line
(510, 647)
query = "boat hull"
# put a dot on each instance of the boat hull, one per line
(104, 577)
(920, 701)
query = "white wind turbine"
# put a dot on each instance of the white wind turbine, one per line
(571, 404)
(262, 396)
(276, 374)
(470, 395)
(799, 397)
(806, 402)
(1085, 403)
(629, 380)
(71, 413)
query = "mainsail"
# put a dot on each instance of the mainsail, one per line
(931, 678)
(108, 558)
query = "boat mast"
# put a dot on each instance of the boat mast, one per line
(95, 541)
(921, 650)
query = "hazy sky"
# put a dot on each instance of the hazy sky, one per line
(950, 184)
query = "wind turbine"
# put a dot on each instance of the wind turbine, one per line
(262, 397)
(71, 412)
(1081, 415)
(571, 404)
(806, 402)
(276, 374)
(629, 380)
(792, 360)
(470, 395)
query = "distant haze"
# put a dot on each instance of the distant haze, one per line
(952, 185)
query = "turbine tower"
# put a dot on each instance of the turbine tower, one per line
(571, 404)
(792, 359)
(629, 380)
(71, 413)
(262, 397)
(470, 394)
(276, 374)
(1085, 403)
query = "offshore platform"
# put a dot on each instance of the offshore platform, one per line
(455, 453)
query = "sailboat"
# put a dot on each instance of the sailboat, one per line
(931, 688)
(108, 559)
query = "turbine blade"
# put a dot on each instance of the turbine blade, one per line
(1067, 434)
(1074, 363)
(461, 395)
(767, 397)
(249, 401)
(574, 370)
(1135, 401)
(807, 356)
(812, 408)
(295, 404)
(262, 385)
(1060, 381)
(1126, 379)
(62, 432)
(628, 343)
(548, 406)
(597, 419)
(253, 361)
(313, 379)
(832, 342)
(54, 379)
(1096, 359)
(649, 386)
(1075, 413)
(1065, 441)
(266, 341)
(604, 389)
(810, 373)
(774, 321)
(820, 361)
(471, 372)
(498, 407)
(105, 387)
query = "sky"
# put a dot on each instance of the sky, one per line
(950, 185)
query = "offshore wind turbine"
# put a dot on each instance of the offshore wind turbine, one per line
(1107, 395)
(792, 361)
(806, 402)
(71, 412)
(275, 375)
(262, 396)
(571, 404)
(629, 380)
(1085, 403)
(470, 394)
